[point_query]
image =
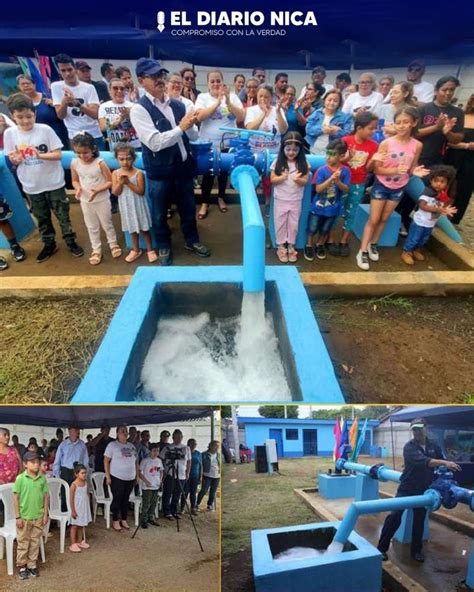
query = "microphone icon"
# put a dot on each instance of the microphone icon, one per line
(160, 19)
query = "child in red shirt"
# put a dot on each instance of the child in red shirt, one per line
(361, 149)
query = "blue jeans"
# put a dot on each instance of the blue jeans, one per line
(209, 484)
(417, 237)
(382, 193)
(182, 190)
(101, 144)
(320, 224)
(191, 490)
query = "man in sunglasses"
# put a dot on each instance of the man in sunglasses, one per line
(164, 130)
(423, 92)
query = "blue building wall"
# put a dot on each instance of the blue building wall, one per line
(257, 430)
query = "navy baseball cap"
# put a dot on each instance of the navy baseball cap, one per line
(149, 67)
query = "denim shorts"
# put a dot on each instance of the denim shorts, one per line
(382, 193)
(320, 224)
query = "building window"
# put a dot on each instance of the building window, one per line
(291, 434)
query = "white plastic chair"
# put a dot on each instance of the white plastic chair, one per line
(8, 530)
(55, 507)
(136, 500)
(99, 487)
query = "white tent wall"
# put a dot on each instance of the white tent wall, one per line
(299, 77)
(199, 429)
(401, 435)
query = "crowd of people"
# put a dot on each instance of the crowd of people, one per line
(177, 473)
(374, 135)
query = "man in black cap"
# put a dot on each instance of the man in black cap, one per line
(84, 74)
(164, 129)
(421, 456)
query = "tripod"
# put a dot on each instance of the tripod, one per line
(173, 471)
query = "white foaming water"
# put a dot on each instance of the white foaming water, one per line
(196, 359)
(300, 553)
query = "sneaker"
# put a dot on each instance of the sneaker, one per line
(282, 254)
(407, 258)
(403, 231)
(309, 253)
(198, 249)
(362, 259)
(144, 525)
(3, 264)
(33, 572)
(164, 257)
(384, 555)
(418, 255)
(24, 573)
(75, 249)
(18, 252)
(292, 254)
(153, 522)
(169, 516)
(418, 557)
(320, 251)
(373, 253)
(194, 512)
(344, 250)
(210, 509)
(46, 252)
(333, 249)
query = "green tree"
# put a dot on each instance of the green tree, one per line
(278, 411)
(370, 412)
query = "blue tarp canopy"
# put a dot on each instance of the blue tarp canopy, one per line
(365, 33)
(456, 416)
(91, 416)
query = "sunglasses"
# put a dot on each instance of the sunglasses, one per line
(331, 152)
(188, 78)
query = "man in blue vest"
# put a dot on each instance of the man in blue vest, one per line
(164, 129)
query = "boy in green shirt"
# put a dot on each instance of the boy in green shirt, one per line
(31, 510)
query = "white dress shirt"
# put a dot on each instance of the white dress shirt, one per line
(150, 136)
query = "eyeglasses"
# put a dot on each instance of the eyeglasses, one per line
(118, 88)
(177, 82)
(188, 78)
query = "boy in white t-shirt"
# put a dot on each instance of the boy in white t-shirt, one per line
(76, 102)
(433, 203)
(151, 475)
(35, 149)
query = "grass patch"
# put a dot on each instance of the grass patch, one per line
(47, 346)
(259, 501)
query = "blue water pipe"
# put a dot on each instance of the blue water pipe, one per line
(444, 491)
(379, 471)
(430, 500)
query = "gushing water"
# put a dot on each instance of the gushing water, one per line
(237, 359)
(301, 553)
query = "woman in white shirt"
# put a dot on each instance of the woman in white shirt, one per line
(114, 117)
(217, 108)
(121, 473)
(268, 118)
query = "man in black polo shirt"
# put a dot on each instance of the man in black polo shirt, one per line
(164, 129)
(421, 456)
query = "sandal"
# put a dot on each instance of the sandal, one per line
(124, 524)
(74, 548)
(152, 256)
(282, 254)
(116, 252)
(221, 205)
(95, 258)
(83, 545)
(133, 255)
(117, 529)
(203, 212)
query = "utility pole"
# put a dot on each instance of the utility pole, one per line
(235, 432)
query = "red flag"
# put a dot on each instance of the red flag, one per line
(337, 440)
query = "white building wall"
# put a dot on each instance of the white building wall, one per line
(401, 435)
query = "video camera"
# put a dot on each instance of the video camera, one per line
(173, 454)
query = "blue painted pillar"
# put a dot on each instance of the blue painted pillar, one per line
(245, 178)
(405, 530)
(366, 488)
(470, 570)
(21, 220)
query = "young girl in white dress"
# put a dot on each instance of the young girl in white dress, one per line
(80, 509)
(128, 184)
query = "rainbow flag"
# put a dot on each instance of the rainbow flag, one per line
(337, 440)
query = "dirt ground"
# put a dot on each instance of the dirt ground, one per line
(386, 350)
(401, 350)
(221, 232)
(157, 559)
